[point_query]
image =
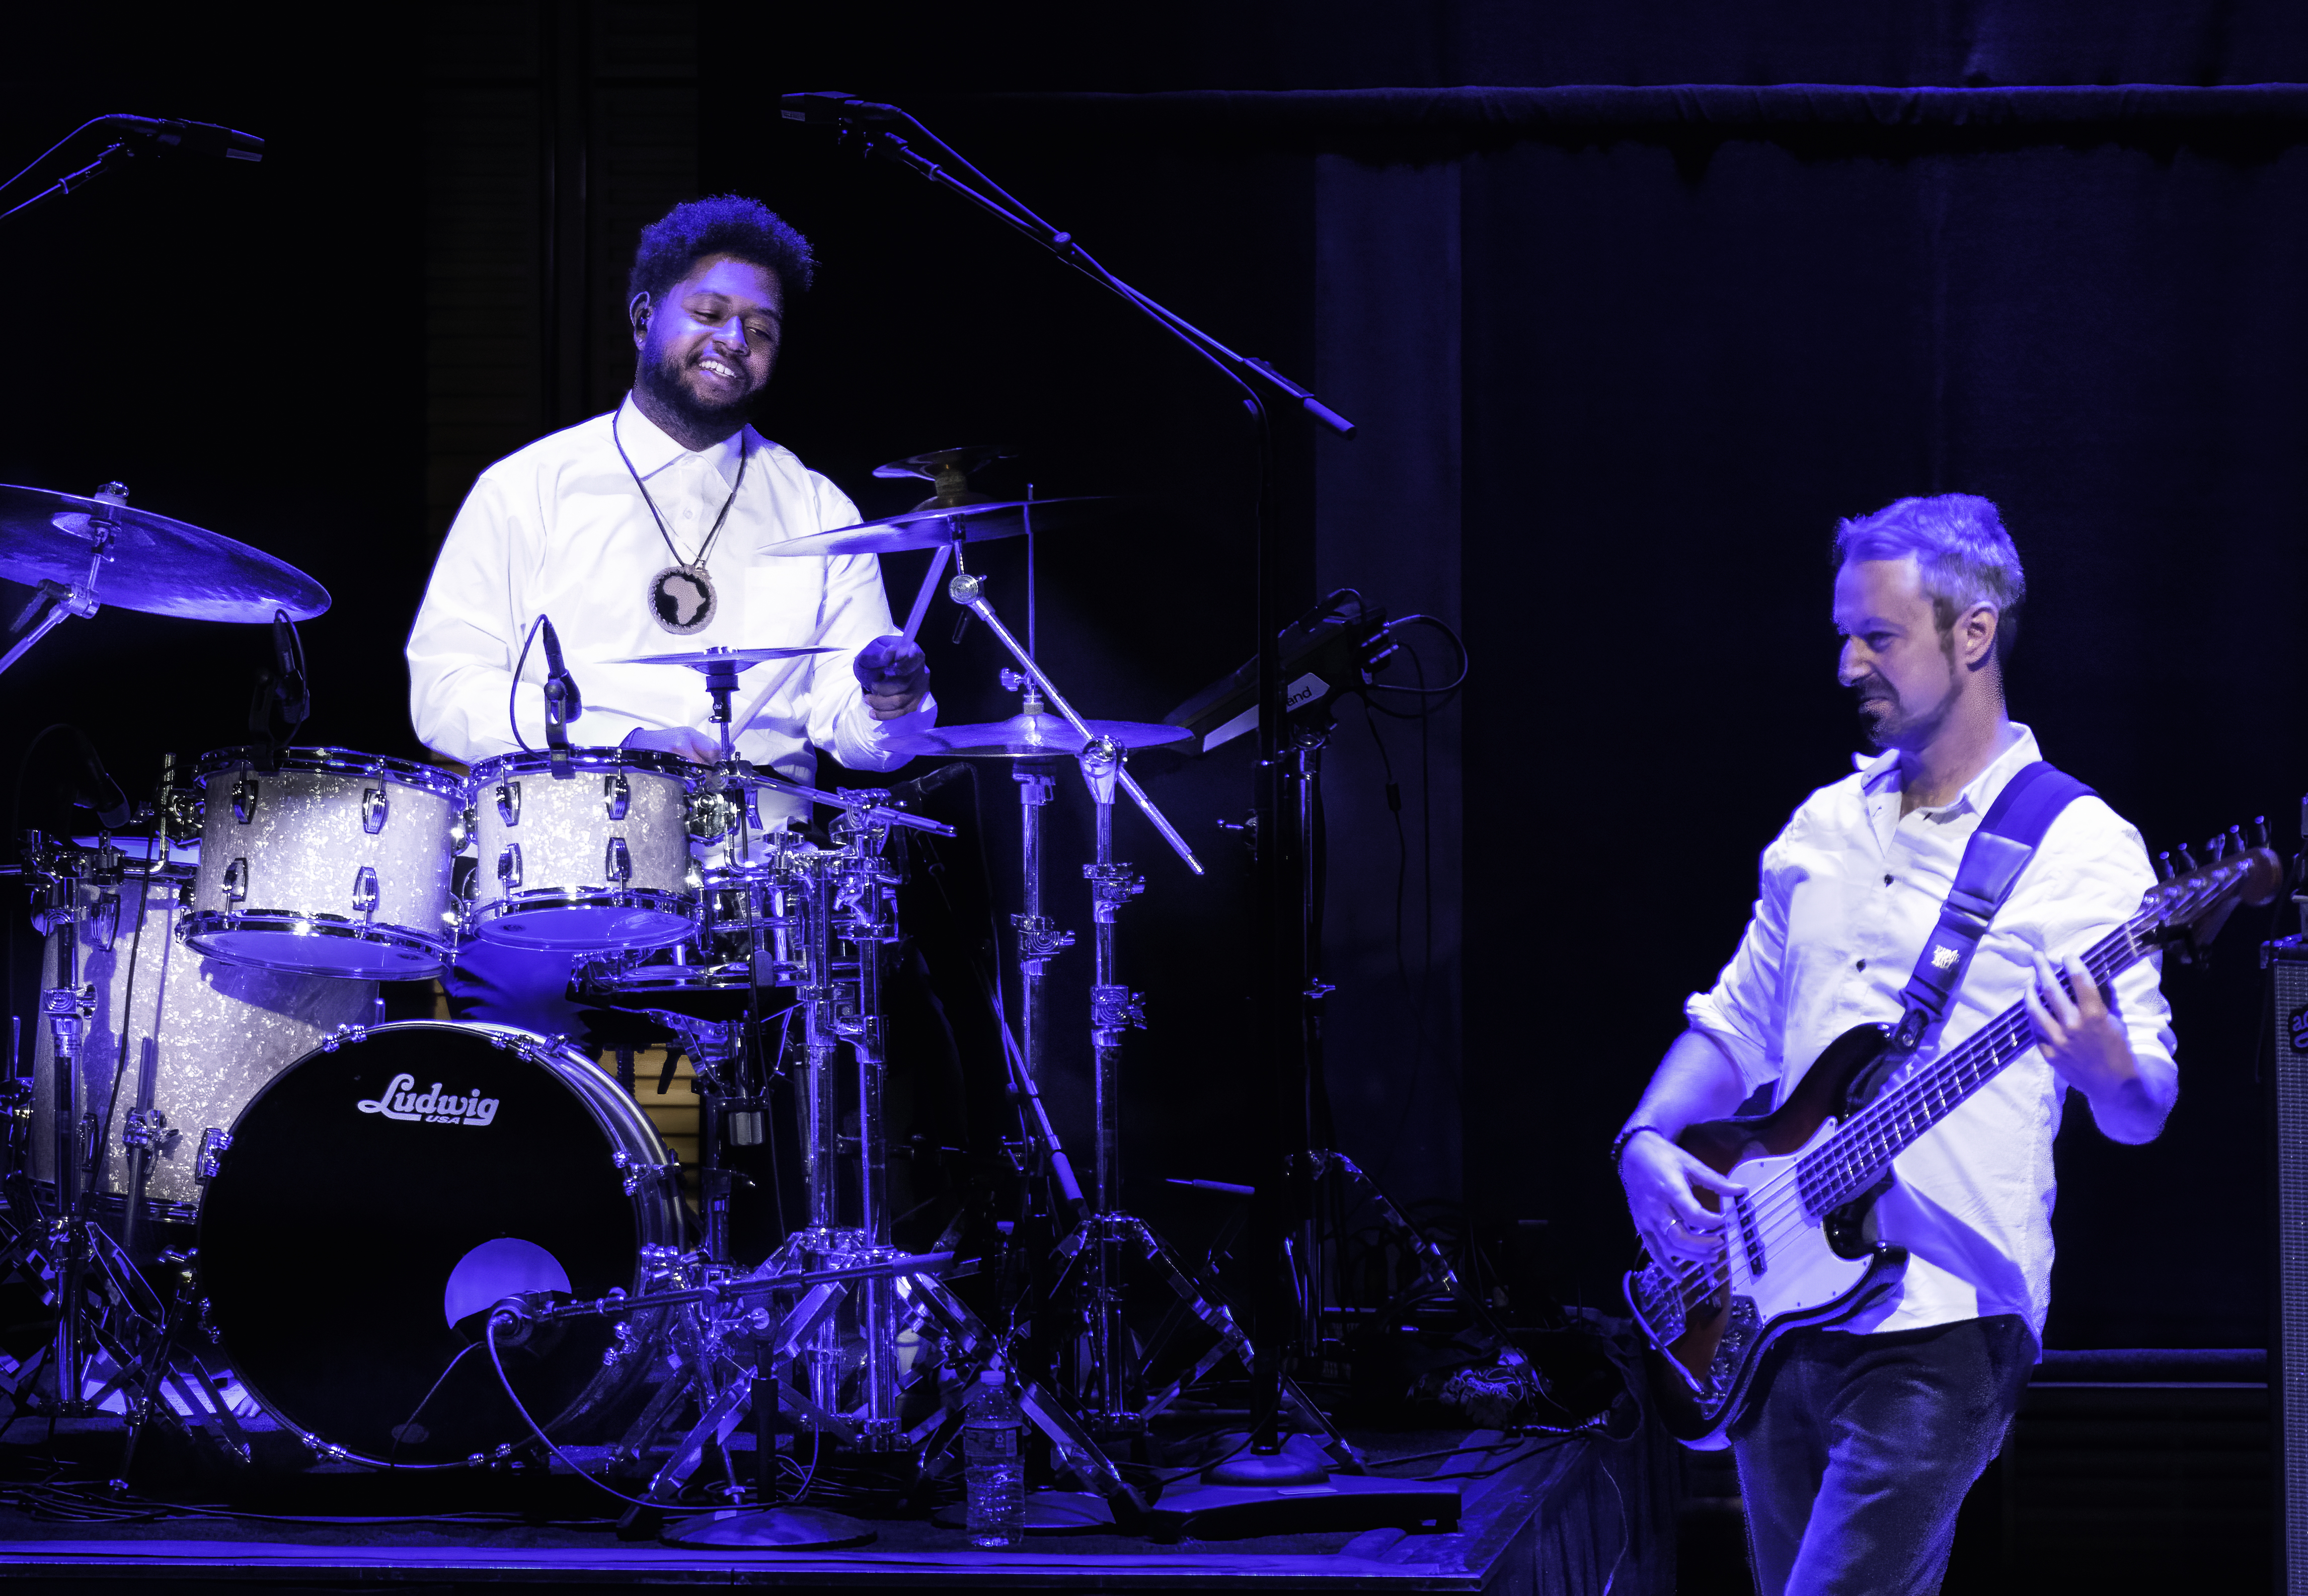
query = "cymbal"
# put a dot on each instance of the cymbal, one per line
(933, 528)
(153, 564)
(740, 658)
(1037, 737)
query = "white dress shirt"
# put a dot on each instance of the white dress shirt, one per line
(1850, 890)
(559, 529)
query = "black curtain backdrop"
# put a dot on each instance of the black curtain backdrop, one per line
(1620, 361)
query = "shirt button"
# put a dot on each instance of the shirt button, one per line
(1863, 964)
(1886, 881)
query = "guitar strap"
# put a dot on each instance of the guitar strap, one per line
(1999, 850)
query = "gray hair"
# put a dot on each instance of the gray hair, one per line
(1960, 550)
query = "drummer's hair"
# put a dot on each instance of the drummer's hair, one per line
(1961, 551)
(726, 224)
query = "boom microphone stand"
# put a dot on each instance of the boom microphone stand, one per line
(1284, 1185)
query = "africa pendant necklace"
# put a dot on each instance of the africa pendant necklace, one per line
(681, 597)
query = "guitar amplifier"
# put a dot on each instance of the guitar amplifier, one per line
(2288, 957)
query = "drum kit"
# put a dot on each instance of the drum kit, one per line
(352, 1211)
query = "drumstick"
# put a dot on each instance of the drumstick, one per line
(938, 557)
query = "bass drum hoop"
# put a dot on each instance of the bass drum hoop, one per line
(658, 1211)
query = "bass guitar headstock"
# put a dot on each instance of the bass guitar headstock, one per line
(2193, 899)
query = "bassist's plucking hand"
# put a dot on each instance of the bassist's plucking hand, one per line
(1660, 1178)
(2084, 1040)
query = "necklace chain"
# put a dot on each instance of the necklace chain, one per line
(707, 548)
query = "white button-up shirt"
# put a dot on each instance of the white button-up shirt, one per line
(1850, 890)
(560, 529)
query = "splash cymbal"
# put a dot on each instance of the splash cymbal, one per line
(937, 527)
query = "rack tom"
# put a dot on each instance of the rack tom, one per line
(595, 861)
(328, 862)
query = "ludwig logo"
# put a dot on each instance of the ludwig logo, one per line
(2299, 1029)
(402, 1101)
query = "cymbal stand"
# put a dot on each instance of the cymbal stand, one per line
(1038, 937)
(53, 603)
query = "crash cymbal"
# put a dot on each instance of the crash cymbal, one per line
(930, 529)
(151, 563)
(740, 658)
(1037, 737)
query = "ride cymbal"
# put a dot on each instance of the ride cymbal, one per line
(150, 563)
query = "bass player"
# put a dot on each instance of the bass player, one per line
(1857, 1442)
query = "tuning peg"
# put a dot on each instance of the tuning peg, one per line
(2217, 846)
(2185, 860)
(2259, 831)
(2165, 869)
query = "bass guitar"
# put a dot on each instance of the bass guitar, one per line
(1801, 1248)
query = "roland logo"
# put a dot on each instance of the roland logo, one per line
(402, 1101)
(1304, 690)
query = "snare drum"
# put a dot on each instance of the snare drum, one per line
(597, 861)
(215, 1033)
(380, 1194)
(332, 863)
(708, 975)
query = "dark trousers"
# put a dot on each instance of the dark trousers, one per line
(1859, 1448)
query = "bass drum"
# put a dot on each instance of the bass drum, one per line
(380, 1193)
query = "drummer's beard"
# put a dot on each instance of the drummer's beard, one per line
(661, 379)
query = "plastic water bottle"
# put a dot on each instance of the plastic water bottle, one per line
(995, 1472)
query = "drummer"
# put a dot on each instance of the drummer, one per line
(645, 532)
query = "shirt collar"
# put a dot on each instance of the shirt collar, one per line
(651, 449)
(1879, 772)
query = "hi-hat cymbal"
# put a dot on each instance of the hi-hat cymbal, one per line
(741, 658)
(1037, 737)
(934, 528)
(152, 564)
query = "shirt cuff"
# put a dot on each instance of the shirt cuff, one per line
(1754, 1066)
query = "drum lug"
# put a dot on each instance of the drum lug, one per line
(374, 808)
(214, 1144)
(461, 824)
(616, 794)
(104, 925)
(365, 890)
(509, 802)
(243, 800)
(235, 880)
(509, 864)
(619, 864)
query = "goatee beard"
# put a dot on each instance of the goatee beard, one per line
(666, 388)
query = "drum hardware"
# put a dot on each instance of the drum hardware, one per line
(970, 592)
(61, 545)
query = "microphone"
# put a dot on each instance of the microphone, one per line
(921, 786)
(174, 136)
(290, 687)
(563, 704)
(90, 786)
(835, 106)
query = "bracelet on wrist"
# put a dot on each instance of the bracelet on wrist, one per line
(1619, 1145)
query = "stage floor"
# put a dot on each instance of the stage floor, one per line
(1546, 1514)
